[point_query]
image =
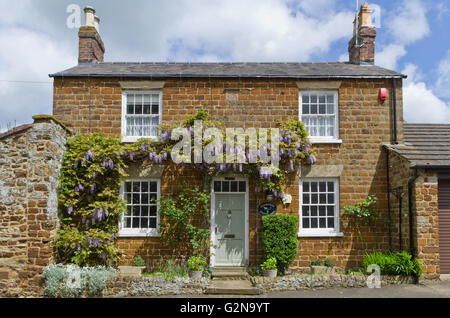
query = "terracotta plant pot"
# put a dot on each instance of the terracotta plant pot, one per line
(195, 274)
(271, 273)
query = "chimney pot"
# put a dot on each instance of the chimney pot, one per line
(91, 48)
(89, 14)
(97, 23)
(361, 47)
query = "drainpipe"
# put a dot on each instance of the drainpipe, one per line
(411, 183)
(388, 198)
(394, 96)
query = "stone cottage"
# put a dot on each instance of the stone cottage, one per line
(353, 112)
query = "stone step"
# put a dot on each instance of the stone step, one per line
(223, 269)
(232, 287)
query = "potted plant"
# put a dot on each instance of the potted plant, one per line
(133, 271)
(269, 267)
(319, 267)
(195, 265)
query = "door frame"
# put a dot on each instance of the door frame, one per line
(246, 218)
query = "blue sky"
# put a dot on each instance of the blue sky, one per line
(413, 38)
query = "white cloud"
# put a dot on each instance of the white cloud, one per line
(420, 104)
(407, 24)
(443, 82)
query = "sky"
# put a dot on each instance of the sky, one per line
(36, 40)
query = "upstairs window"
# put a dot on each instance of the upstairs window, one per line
(141, 115)
(319, 113)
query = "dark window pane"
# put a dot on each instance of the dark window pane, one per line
(152, 223)
(305, 211)
(153, 187)
(144, 211)
(145, 199)
(305, 109)
(136, 223)
(128, 223)
(322, 223)
(305, 223)
(155, 109)
(128, 187)
(144, 223)
(217, 185)
(136, 211)
(314, 99)
(305, 186)
(322, 211)
(330, 198)
(129, 210)
(138, 109)
(330, 99)
(136, 187)
(314, 223)
(136, 199)
(314, 198)
(314, 187)
(144, 187)
(234, 186)
(130, 109)
(322, 109)
(128, 198)
(242, 187)
(313, 109)
(330, 211)
(322, 187)
(330, 186)
(305, 198)
(225, 186)
(153, 210)
(305, 98)
(323, 198)
(331, 223)
(313, 211)
(153, 198)
(147, 110)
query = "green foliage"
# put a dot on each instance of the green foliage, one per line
(316, 262)
(354, 271)
(269, 264)
(169, 270)
(89, 201)
(184, 220)
(138, 261)
(70, 281)
(280, 239)
(365, 210)
(328, 262)
(196, 263)
(394, 264)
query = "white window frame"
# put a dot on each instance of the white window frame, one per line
(320, 232)
(150, 232)
(322, 139)
(126, 138)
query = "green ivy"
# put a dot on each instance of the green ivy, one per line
(365, 210)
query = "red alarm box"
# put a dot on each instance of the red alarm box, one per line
(383, 94)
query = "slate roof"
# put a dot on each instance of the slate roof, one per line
(228, 70)
(425, 145)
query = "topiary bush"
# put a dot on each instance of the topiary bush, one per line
(280, 239)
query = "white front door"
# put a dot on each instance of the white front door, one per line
(229, 223)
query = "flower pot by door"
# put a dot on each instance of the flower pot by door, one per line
(195, 274)
(271, 273)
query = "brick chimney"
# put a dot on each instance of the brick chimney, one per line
(361, 48)
(91, 47)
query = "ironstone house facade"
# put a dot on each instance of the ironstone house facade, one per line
(353, 112)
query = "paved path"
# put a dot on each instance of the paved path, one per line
(427, 289)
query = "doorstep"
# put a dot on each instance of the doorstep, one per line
(232, 287)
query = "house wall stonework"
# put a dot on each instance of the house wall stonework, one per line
(29, 167)
(94, 105)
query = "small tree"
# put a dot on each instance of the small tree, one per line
(185, 221)
(280, 239)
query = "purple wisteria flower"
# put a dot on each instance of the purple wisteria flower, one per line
(89, 156)
(312, 159)
(92, 189)
(70, 210)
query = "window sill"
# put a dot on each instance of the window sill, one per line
(135, 139)
(331, 234)
(139, 234)
(326, 141)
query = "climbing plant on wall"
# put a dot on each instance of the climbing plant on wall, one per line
(94, 168)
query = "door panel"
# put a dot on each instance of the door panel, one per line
(230, 229)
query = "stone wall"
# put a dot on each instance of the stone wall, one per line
(94, 105)
(30, 158)
(425, 213)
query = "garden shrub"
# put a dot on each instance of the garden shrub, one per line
(70, 281)
(394, 263)
(280, 239)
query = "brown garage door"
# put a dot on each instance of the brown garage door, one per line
(444, 224)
